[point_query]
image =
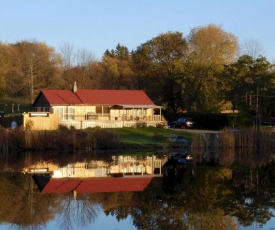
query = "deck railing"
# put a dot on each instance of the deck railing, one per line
(108, 124)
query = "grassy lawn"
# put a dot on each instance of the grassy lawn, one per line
(149, 136)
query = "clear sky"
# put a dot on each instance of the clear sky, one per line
(97, 25)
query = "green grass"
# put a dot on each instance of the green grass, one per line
(149, 136)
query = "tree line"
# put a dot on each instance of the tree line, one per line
(201, 72)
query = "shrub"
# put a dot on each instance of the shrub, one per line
(160, 125)
(240, 120)
(29, 125)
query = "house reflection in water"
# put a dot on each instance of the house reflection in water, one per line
(123, 173)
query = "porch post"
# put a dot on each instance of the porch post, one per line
(123, 116)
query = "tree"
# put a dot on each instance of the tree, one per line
(77, 66)
(5, 66)
(210, 48)
(252, 47)
(121, 52)
(35, 66)
(263, 85)
(158, 64)
(243, 80)
(117, 71)
(233, 82)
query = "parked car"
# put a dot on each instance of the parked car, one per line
(184, 122)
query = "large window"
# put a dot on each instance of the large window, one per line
(65, 112)
(102, 110)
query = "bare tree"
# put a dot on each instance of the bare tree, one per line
(252, 48)
(72, 57)
(67, 51)
(84, 57)
(77, 66)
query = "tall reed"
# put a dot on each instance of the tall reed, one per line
(12, 140)
(248, 145)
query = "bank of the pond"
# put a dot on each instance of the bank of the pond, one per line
(88, 139)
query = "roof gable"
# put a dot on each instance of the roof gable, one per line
(61, 97)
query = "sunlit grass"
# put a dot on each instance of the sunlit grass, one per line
(150, 135)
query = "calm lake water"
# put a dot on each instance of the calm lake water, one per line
(137, 190)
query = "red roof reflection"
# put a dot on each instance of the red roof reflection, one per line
(92, 185)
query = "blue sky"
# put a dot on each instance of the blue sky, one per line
(99, 25)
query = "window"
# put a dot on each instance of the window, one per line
(70, 113)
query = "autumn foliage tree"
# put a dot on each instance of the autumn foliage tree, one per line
(32, 66)
(199, 72)
(117, 70)
(181, 73)
(210, 48)
(158, 64)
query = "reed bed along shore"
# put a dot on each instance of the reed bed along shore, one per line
(246, 145)
(63, 139)
(249, 146)
(88, 139)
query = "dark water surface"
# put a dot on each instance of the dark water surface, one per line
(137, 190)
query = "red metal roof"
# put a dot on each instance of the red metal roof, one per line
(97, 97)
(92, 185)
(61, 97)
(60, 186)
(110, 184)
(135, 97)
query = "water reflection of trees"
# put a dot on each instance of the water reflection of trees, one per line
(201, 195)
(80, 212)
(210, 198)
(21, 205)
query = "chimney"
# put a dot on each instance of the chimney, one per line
(75, 87)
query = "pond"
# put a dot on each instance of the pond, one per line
(176, 189)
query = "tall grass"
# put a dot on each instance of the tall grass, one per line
(249, 146)
(64, 139)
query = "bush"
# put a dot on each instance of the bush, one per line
(160, 125)
(102, 139)
(240, 120)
